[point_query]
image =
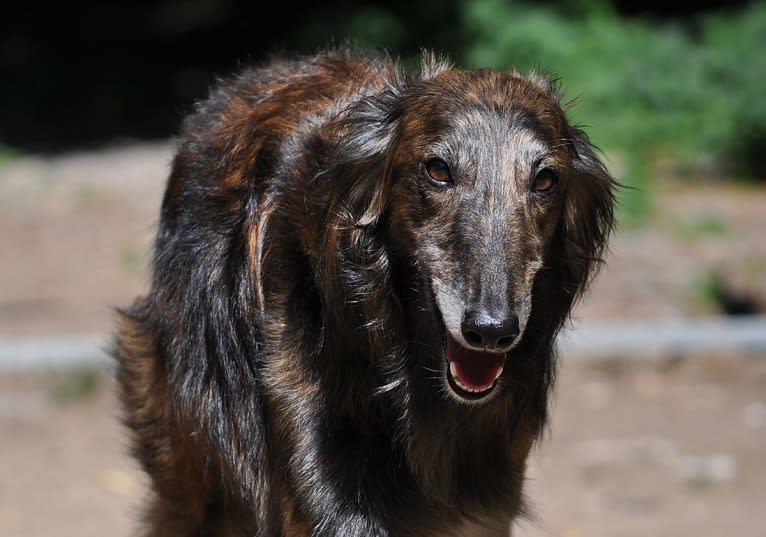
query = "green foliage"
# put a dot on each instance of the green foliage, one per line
(8, 153)
(75, 385)
(647, 91)
(701, 226)
(400, 27)
(705, 289)
(733, 53)
(372, 25)
(132, 260)
(86, 196)
(634, 198)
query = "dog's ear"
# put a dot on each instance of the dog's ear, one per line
(354, 259)
(361, 157)
(365, 137)
(588, 217)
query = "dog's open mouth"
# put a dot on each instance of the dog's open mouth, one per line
(472, 374)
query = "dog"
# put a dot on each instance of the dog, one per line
(358, 276)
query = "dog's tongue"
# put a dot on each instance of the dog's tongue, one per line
(474, 370)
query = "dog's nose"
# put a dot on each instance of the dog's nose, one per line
(484, 330)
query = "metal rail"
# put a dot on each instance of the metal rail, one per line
(597, 340)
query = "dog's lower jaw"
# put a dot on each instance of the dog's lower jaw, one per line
(465, 393)
(466, 397)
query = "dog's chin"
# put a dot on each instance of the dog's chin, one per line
(472, 375)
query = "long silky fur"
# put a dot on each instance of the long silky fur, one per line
(273, 376)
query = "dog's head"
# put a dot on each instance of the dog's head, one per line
(479, 179)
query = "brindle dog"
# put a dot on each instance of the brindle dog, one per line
(358, 276)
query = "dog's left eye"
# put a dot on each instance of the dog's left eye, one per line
(545, 180)
(438, 171)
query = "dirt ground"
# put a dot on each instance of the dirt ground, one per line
(669, 447)
(663, 449)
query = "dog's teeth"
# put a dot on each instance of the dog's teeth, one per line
(456, 378)
(497, 375)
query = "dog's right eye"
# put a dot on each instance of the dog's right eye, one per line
(438, 172)
(544, 181)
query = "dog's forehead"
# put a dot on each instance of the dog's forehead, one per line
(483, 105)
(492, 148)
(502, 92)
(483, 125)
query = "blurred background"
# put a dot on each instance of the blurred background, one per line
(659, 422)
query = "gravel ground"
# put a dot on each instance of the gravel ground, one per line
(663, 448)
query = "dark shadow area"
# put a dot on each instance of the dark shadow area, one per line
(84, 73)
